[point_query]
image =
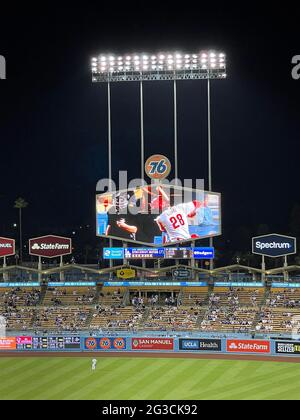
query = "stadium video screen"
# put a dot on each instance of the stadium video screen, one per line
(158, 215)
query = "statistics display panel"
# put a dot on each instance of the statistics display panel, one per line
(55, 343)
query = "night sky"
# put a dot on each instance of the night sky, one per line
(53, 121)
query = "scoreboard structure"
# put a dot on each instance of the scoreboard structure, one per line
(48, 343)
(179, 253)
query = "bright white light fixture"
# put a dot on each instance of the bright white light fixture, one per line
(163, 66)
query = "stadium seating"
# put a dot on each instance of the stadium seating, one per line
(70, 296)
(223, 309)
(26, 296)
(66, 319)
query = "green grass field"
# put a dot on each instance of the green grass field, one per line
(145, 379)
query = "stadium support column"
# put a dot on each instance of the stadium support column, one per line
(263, 267)
(285, 273)
(5, 274)
(125, 261)
(211, 242)
(142, 128)
(61, 273)
(40, 269)
(175, 131)
(193, 265)
(109, 151)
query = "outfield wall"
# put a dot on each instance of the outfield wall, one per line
(144, 344)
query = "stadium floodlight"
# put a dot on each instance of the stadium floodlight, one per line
(171, 66)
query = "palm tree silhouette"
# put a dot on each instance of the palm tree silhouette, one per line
(20, 204)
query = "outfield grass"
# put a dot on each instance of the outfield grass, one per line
(144, 379)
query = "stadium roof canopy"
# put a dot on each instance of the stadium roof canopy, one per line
(156, 271)
(236, 268)
(289, 269)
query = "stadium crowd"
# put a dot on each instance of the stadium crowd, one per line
(223, 309)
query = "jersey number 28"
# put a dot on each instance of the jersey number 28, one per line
(177, 221)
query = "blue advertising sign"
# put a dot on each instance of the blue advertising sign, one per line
(113, 253)
(156, 253)
(153, 284)
(193, 344)
(274, 245)
(74, 284)
(8, 285)
(237, 284)
(204, 253)
(286, 285)
(147, 253)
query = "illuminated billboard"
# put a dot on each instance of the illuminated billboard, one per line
(50, 246)
(158, 215)
(7, 247)
(157, 253)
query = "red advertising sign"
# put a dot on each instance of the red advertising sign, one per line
(24, 341)
(8, 343)
(50, 246)
(7, 247)
(248, 346)
(152, 344)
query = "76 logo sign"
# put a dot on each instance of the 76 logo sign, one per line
(158, 167)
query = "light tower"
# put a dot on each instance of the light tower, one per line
(165, 66)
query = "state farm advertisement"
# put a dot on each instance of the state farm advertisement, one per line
(8, 343)
(7, 247)
(152, 344)
(50, 246)
(248, 346)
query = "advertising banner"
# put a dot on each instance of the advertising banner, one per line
(21, 285)
(24, 343)
(50, 246)
(238, 284)
(187, 253)
(154, 284)
(182, 273)
(158, 167)
(248, 346)
(113, 253)
(204, 253)
(7, 247)
(73, 284)
(286, 285)
(287, 347)
(126, 273)
(193, 344)
(105, 343)
(274, 245)
(152, 343)
(8, 343)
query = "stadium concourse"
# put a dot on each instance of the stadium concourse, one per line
(243, 308)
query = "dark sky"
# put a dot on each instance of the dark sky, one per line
(53, 120)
